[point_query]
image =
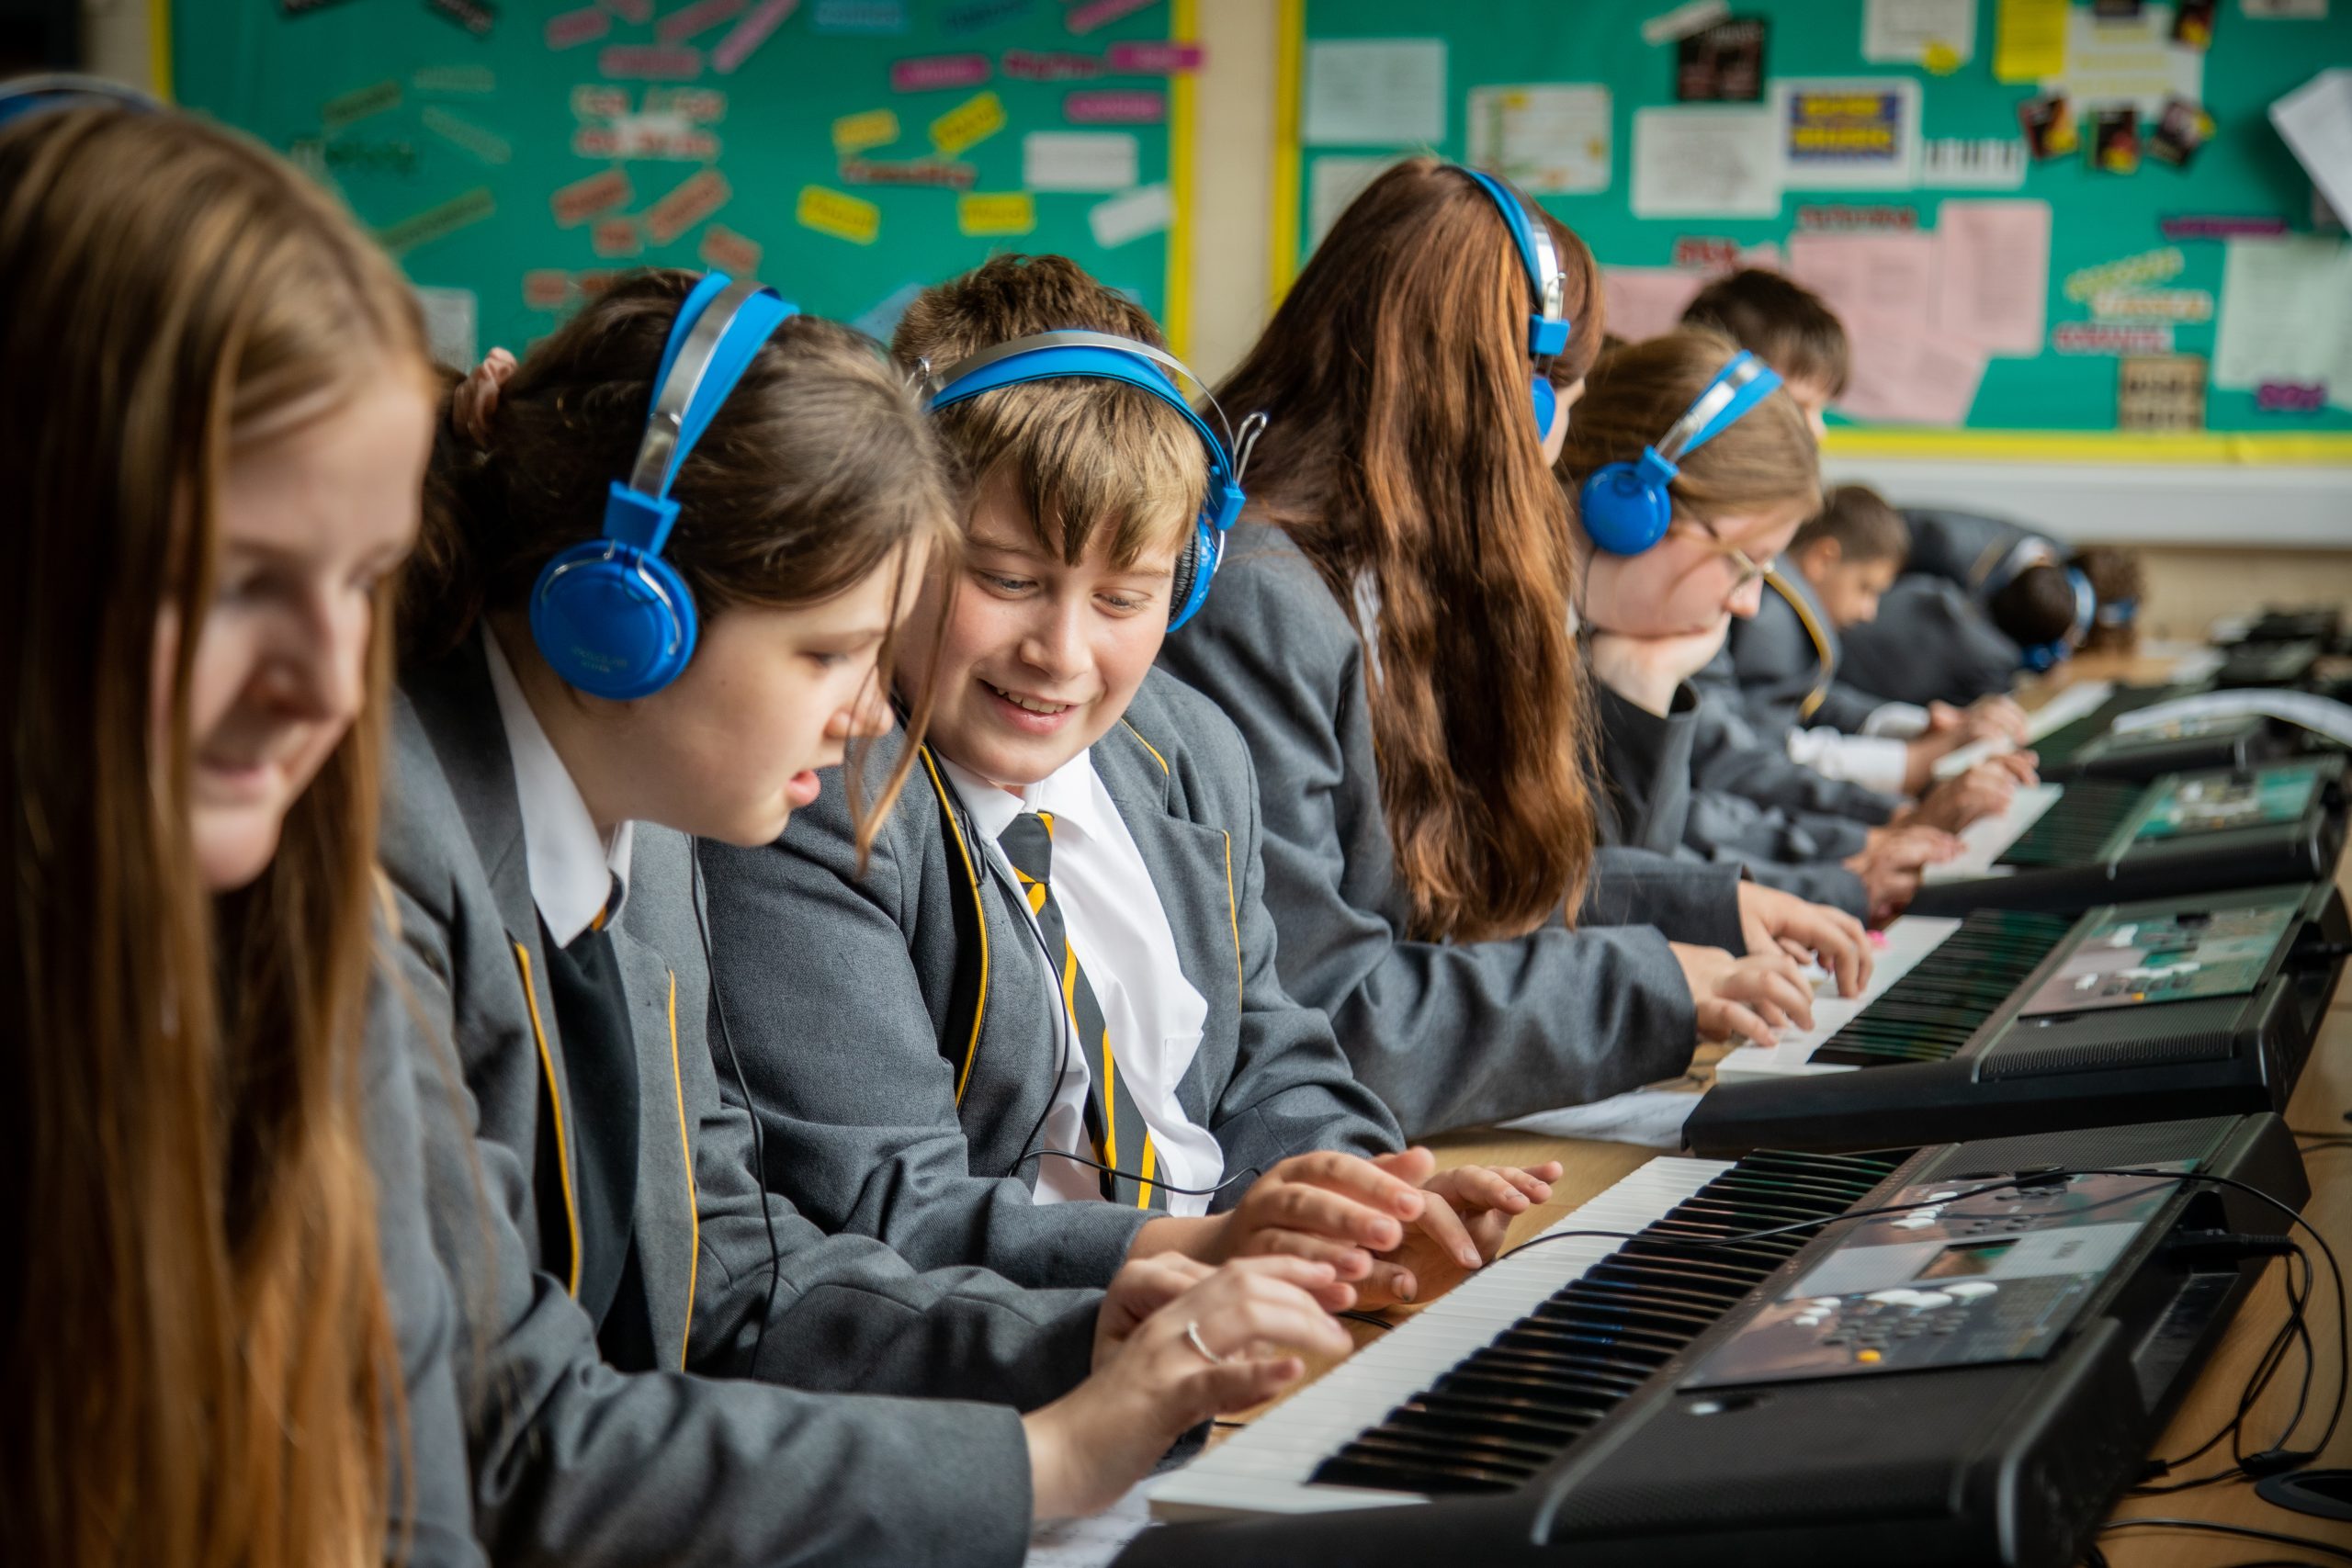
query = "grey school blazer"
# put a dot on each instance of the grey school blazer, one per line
(1930, 643)
(573, 1461)
(1782, 667)
(899, 1031)
(1448, 1034)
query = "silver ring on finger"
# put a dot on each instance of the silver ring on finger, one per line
(1192, 1333)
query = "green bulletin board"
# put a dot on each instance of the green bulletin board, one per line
(2037, 404)
(521, 152)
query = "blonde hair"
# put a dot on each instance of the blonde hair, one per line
(1088, 458)
(203, 1365)
(1765, 461)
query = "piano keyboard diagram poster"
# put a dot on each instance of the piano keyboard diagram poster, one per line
(1930, 168)
(847, 152)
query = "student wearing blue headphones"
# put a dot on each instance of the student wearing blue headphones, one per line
(1391, 633)
(1043, 1029)
(662, 562)
(1692, 470)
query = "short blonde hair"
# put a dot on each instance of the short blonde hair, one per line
(1091, 459)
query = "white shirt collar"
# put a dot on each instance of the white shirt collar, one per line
(575, 872)
(1073, 794)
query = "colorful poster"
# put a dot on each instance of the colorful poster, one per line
(2160, 391)
(1548, 138)
(1854, 133)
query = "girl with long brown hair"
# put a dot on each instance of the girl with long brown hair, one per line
(214, 415)
(1391, 632)
(578, 699)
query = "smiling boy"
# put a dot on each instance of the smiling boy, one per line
(1043, 1029)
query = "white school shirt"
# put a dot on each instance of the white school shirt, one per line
(1118, 927)
(1876, 759)
(576, 873)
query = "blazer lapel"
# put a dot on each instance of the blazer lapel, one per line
(667, 1226)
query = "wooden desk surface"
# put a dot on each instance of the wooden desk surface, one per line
(2321, 1101)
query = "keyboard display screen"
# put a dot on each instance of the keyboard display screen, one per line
(2127, 961)
(2212, 803)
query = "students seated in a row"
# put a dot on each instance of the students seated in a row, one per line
(1055, 969)
(227, 1343)
(1390, 631)
(1785, 666)
(1980, 600)
(621, 639)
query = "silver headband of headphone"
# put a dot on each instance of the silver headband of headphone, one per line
(1555, 290)
(1239, 444)
(666, 424)
(1701, 414)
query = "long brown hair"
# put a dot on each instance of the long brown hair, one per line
(1403, 451)
(818, 469)
(1764, 461)
(200, 1357)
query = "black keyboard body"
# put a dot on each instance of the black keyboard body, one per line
(2009, 1463)
(1975, 1040)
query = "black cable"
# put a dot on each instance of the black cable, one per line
(2214, 1527)
(2296, 1327)
(1373, 1318)
(759, 1138)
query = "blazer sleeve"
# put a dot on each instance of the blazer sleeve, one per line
(1447, 1034)
(572, 1461)
(1727, 756)
(1686, 898)
(1292, 1091)
(1845, 708)
(1645, 760)
(1818, 882)
(1930, 643)
(840, 1052)
(432, 1514)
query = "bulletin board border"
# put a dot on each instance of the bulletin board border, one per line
(2119, 447)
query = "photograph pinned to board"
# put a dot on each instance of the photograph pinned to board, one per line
(2047, 123)
(1938, 34)
(1724, 63)
(2180, 130)
(2160, 391)
(1546, 138)
(1705, 162)
(2192, 26)
(2114, 146)
(1848, 132)
(1375, 92)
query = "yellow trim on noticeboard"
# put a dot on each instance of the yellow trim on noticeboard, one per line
(159, 46)
(1176, 317)
(1281, 231)
(2319, 447)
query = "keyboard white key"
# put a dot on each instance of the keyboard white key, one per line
(2064, 707)
(1908, 941)
(1984, 841)
(1263, 1467)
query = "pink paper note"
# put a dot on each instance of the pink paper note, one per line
(1115, 107)
(750, 33)
(1992, 287)
(637, 11)
(1085, 18)
(1644, 301)
(1902, 373)
(701, 16)
(1891, 276)
(636, 62)
(926, 72)
(577, 27)
(1148, 58)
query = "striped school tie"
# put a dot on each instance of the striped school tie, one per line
(1122, 1138)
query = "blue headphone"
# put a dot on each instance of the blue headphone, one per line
(1048, 356)
(1547, 324)
(609, 615)
(1626, 507)
(2042, 656)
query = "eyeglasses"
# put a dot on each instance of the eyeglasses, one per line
(1750, 570)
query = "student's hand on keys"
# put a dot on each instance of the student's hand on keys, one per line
(1230, 1340)
(1993, 717)
(1775, 921)
(1891, 862)
(1985, 790)
(1338, 1209)
(1745, 998)
(1463, 1217)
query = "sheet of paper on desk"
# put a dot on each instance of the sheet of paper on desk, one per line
(1993, 273)
(1376, 93)
(1650, 1117)
(1094, 1542)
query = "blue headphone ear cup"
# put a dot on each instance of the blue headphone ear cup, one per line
(613, 620)
(1547, 405)
(1622, 513)
(1194, 570)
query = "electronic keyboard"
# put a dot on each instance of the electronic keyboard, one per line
(2099, 839)
(1971, 1377)
(2009, 1022)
